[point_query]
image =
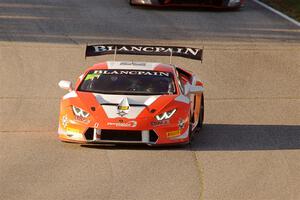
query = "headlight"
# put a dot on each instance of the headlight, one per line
(233, 2)
(79, 112)
(165, 115)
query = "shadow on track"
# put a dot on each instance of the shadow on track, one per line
(185, 8)
(227, 137)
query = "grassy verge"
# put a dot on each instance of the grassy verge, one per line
(289, 7)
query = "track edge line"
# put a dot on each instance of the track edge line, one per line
(295, 22)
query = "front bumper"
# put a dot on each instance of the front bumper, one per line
(143, 130)
(191, 3)
(156, 136)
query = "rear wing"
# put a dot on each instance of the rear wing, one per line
(105, 49)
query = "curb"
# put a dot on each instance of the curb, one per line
(278, 13)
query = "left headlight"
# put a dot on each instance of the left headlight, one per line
(165, 115)
(79, 112)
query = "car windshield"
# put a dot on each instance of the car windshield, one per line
(136, 82)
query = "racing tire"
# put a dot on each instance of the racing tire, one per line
(191, 134)
(201, 114)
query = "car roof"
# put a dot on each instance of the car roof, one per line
(132, 65)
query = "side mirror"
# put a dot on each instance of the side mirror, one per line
(192, 89)
(66, 85)
(187, 89)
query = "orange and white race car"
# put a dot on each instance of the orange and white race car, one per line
(133, 102)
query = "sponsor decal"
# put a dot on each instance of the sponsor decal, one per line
(122, 113)
(97, 73)
(91, 76)
(96, 125)
(72, 130)
(65, 121)
(123, 108)
(130, 124)
(173, 133)
(82, 119)
(187, 52)
(180, 124)
(160, 123)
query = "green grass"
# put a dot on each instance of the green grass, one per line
(289, 7)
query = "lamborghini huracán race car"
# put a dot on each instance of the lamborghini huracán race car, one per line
(133, 102)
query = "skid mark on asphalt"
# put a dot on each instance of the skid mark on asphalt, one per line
(200, 169)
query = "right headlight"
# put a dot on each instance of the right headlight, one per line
(79, 112)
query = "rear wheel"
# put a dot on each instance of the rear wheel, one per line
(191, 134)
(201, 113)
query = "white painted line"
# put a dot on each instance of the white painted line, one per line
(277, 12)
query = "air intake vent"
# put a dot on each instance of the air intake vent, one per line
(153, 136)
(121, 135)
(89, 134)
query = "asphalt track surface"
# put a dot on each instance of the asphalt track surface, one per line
(248, 149)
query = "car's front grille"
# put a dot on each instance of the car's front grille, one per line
(121, 135)
(204, 2)
(187, 1)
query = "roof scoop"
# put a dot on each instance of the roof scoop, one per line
(123, 107)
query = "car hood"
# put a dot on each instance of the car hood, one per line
(108, 105)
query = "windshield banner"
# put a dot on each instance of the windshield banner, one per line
(104, 49)
(131, 72)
